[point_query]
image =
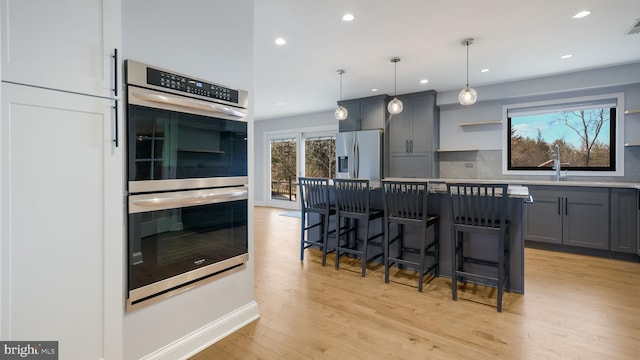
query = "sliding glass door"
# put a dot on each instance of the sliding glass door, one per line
(304, 153)
(283, 171)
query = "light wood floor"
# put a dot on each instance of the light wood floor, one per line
(574, 307)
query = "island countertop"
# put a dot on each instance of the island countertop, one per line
(440, 185)
(601, 184)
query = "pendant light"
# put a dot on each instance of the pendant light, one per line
(468, 95)
(341, 112)
(395, 105)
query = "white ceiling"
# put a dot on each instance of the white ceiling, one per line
(515, 39)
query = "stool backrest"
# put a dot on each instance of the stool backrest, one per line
(405, 199)
(352, 195)
(314, 193)
(482, 205)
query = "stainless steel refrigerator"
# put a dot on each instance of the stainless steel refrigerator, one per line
(359, 155)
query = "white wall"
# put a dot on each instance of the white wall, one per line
(212, 40)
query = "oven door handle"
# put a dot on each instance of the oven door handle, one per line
(182, 102)
(173, 200)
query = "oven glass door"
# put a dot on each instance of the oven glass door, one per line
(169, 145)
(171, 243)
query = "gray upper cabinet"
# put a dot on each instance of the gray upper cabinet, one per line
(568, 216)
(413, 137)
(624, 220)
(364, 114)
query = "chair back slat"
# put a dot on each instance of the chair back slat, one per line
(482, 205)
(405, 199)
(352, 195)
(314, 193)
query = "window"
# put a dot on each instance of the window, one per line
(584, 132)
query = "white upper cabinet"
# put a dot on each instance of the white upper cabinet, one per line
(63, 44)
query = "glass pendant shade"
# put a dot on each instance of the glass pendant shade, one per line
(341, 113)
(468, 96)
(395, 106)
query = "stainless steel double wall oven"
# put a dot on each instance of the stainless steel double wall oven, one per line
(187, 181)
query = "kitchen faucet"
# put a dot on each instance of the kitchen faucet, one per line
(556, 163)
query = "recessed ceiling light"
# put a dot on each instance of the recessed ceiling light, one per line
(374, 89)
(581, 14)
(280, 41)
(348, 17)
(566, 56)
(484, 70)
(424, 81)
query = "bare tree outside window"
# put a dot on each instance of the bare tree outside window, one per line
(585, 137)
(283, 170)
(320, 157)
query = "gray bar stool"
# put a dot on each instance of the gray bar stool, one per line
(314, 199)
(352, 207)
(480, 209)
(405, 203)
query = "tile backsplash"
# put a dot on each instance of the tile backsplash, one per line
(487, 164)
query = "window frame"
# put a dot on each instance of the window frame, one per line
(616, 125)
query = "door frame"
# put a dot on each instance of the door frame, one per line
(300, 135)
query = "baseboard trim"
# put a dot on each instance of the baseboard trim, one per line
(207, 335)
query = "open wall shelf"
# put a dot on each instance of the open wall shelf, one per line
(478, 123)
(455, 150)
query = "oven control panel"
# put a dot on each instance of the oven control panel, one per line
(190, 85)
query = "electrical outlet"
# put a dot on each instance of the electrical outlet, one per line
(468, 165)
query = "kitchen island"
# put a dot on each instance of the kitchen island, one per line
(439, 203)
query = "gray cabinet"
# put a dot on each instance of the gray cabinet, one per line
(542, 218)
(624, 220)
(364, 114)
(568, 216)
(413, 137)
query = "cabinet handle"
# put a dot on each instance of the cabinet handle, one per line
(115, 73)
(406, 146)
(116, 139)
(566, 206)
(559, 202)
(411, 145)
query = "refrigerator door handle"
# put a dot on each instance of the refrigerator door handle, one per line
(356, 170)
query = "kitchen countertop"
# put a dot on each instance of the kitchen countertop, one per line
(605, 184)
(439, 186)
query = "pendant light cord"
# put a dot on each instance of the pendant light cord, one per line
(395, 79)
(467, 45)
(341, 72)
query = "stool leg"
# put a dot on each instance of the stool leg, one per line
(436, 248)
(303, 221)
(454, 265)
(325, 237)
(338, 237)
(365, 246)
(385, 249)
(423, 255)
(399, 243)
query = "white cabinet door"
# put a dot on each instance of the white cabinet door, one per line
(62, 44)
(62, 215)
